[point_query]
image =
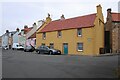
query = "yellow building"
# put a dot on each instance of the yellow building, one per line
(83, 35)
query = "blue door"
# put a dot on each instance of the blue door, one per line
(65, 48)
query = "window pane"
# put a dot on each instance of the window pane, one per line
(80, 46)
(59, 34)
(79, 32)
(43, 44)
(51, 45)
(44, 35)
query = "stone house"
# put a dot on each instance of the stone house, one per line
(112, 32)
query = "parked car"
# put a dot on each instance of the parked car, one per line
(47, 50)
(5, 47)
(29, 48)
(17, 46)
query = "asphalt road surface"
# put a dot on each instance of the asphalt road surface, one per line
(19, 64)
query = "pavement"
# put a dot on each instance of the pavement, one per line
(20, 64)
(108, 54)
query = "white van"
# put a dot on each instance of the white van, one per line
(17, 46)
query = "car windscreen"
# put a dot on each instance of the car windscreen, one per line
(20, 46)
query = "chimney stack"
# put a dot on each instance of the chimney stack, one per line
(62, 17)
(7, 31)
(99, 9)
(109, 16)
(17, 29)
(40, 22)
(34, 24)
(48, 19)
(109, 11)
(25, 26)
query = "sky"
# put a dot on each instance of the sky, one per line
(15, 14)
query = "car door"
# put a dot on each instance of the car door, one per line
(46, 49)
(41, 49)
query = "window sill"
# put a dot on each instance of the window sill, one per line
(59, 36)
(79, 35)
(80, 50)
(44, 38)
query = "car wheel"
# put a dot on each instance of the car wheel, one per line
(51, 52)
(38, 52)
(24, 50)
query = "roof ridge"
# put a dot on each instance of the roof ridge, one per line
(75, 17)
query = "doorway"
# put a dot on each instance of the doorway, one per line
(65, 48)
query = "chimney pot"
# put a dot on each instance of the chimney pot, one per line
(62, 17)
(25, 26)
(17, 29)
(34, 24)
(109, 10)
(109, 14)
(7, 31)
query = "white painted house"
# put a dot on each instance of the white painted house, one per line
(31, 35)
(16, 36)
(7, 39)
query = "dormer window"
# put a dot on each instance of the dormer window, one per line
(44, 35)
(59, 34)
(79, 32)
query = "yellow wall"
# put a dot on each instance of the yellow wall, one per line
(99, 31)
(48, 20)
(70, 37)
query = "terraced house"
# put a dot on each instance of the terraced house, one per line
(22, 35)
(112, 32)
(82, 35)
(31, 35)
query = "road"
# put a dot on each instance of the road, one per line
(19, 64)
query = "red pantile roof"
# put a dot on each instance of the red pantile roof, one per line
(115, 16)
(77, 22)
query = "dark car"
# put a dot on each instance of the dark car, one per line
(5, 47)
(47, 50)
(29, 48)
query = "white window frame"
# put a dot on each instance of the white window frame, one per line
(44, 35)
(59, 32)
(78, 46)
(79, 29)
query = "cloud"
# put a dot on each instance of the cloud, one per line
(22, 12)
